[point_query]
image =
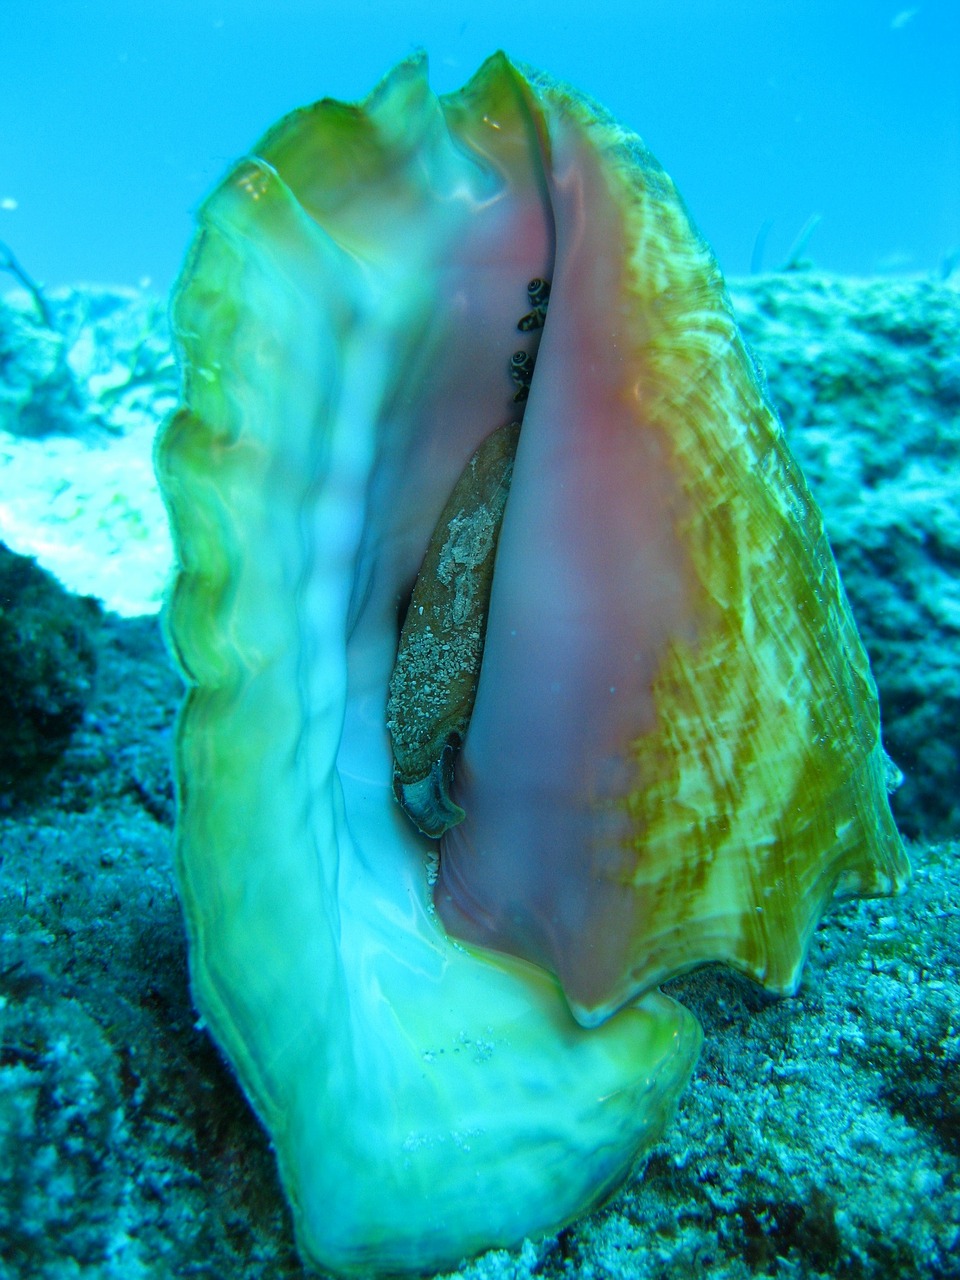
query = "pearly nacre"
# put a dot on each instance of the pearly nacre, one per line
(674, 751)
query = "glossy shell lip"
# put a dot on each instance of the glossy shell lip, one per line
(428, 1098)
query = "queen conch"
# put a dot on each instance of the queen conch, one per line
(431, 885)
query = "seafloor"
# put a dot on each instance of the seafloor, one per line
(820, 1135)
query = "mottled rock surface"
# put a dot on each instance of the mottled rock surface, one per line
(866, 375)
(76, 483)
(48, 660)
(39, 392)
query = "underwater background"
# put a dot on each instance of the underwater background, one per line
(117, 119)
(817, 147)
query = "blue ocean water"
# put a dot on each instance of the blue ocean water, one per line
(115, 119)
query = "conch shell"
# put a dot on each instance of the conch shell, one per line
(673, 755)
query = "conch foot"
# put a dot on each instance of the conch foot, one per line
(434, 681)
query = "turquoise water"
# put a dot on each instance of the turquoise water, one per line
(115, 119)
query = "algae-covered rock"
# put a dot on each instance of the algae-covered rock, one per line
(866, 375)
(95, 358)
(78, 490)
(48, 659)
(39, 392)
